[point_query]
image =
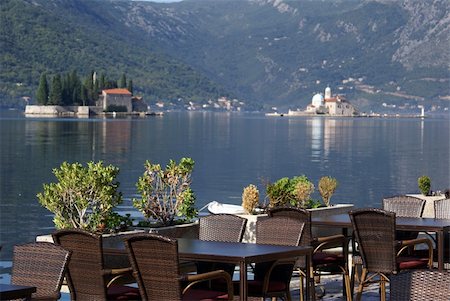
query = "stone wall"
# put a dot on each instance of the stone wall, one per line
(57, 110)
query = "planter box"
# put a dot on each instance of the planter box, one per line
(327, 211)
(109, 240)
(250, 233)
(250, 228)
(428, 210)
(189, 230)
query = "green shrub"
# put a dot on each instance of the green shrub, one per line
(294, 192)
(83, 197)
(424, 183)
(166, 194)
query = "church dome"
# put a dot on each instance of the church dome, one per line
(317, 100)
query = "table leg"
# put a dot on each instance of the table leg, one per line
(310, 286)
(243, 281)
(440, 249)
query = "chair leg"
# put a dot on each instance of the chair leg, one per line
(347, 288)
(361, 284)
(302, 291)
(383, 288)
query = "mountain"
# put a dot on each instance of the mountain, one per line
(264, 52)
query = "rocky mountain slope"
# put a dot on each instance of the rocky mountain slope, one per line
(272, 52)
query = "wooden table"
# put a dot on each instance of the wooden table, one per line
(439, 226)
(243, 254)
(11, 291)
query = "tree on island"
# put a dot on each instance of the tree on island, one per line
(123, 81)
(69, 89)
(130, 86)
(56, 94)
(42, 91)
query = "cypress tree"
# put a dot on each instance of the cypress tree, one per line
(123, 81)
(56, 91)
(89, 85)
(102, 83)
(42, 91)
(130, 86)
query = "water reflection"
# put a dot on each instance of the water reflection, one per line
(371, 158)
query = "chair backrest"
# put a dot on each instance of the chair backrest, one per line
(283, 230)
(222, 227)
(279, 230)
(404, 206)
(85, 275)
(303, 215)
(374, 231)
(154, 260)
(40, 264)
(420, 285)
(442, 209)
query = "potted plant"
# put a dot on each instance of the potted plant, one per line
(166, 195)
(424, 183)
(294, 191)
(84, 197)
(250, 199)
(327, 186)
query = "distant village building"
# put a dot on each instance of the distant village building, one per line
(116, 98)
(329, 105)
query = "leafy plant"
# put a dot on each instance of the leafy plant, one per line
(285, 191)
(166, 194)
(250, 198)
(327, 187)
(83, 197)
(424, 183)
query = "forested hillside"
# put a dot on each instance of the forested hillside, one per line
(264, 52)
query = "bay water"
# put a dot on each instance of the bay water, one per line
(371, 158)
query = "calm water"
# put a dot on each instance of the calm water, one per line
(371, 158)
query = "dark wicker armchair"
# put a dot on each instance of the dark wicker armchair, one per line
(272, 279)
(404, 206)
(420, 285)
(323, 261)
(40, 264)
(442, 211)
(87, 276)
(220, 227)
(381, 254)
(155, 263)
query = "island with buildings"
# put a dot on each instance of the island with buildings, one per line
(324, 104)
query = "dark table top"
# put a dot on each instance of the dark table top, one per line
(194, 249)
(402, 223)
(11, 291)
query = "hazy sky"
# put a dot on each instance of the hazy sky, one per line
(163, 0)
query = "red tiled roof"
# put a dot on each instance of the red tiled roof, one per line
(117, 91)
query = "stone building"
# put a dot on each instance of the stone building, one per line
(116, 100)
(330, 105)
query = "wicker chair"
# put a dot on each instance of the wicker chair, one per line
(87, 276)
(40, 264)
(272, 279)
(155, 263)
(220, 227)
(322, 261)
(374, 230)
(442, 211)
(420, 285)
(404, 206)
